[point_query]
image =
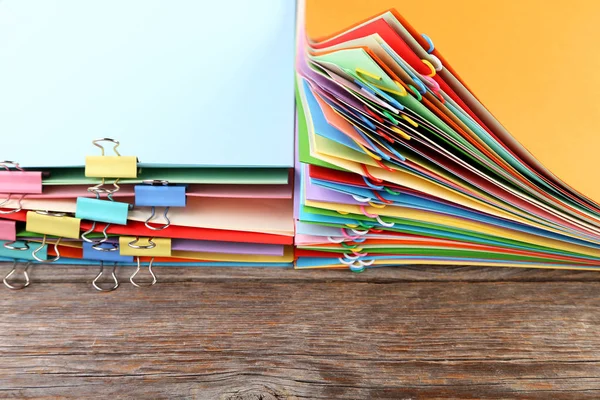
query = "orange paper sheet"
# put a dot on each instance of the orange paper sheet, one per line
(518, 58)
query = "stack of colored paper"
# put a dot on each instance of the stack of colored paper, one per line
(197, 165)
(162, 133)
(400, 163)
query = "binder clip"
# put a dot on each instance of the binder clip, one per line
(57, 224)
(110, 255)
(154, 279)
(8, 232)
(19, 182)
(13, 286)
(107, 211)
(145, 247)
(116, 166)
(113, 276)
(158, 193)
(355, 263)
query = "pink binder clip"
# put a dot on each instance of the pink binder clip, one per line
(19, 182)
(8, 230)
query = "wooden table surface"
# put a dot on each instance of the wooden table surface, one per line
(254, 333)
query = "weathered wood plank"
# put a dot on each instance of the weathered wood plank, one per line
(72, 274)
(242, 334)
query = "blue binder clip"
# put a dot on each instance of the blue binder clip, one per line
(158, 193)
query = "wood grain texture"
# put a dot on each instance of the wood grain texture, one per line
(218, 333)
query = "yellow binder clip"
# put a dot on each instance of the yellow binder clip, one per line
(145, 247)
(52, 223)
(116, 166)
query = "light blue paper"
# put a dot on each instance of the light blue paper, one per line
(177, 82)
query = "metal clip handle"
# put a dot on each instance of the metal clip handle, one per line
(115, 142)
(11, 246)
(55, 259)
(14, 164)
(154, 279)
(113, 276)
(151, 217)
(133, 244)
(12, 271)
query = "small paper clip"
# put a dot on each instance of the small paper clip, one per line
(359, 265)
(410, 121)
(158, 193)
(361, 199)
(362, 72)
(383, 223)
(381, 198)
(356, 268)
(366, 214)
(154, 279)
(367, 122)
(400, 132)
(390, 191)
(429, 65)
(415, 92)
(368, 174)
(384, 135)
(402, 90)
(383, 166)
(371, 185)
(437, 64)
(335, 240)
(23, 285)
(345, 235)
(434, 86)
(429, 42)
(373, 114)
(359, 232)
(348, 259)
(112, 274)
